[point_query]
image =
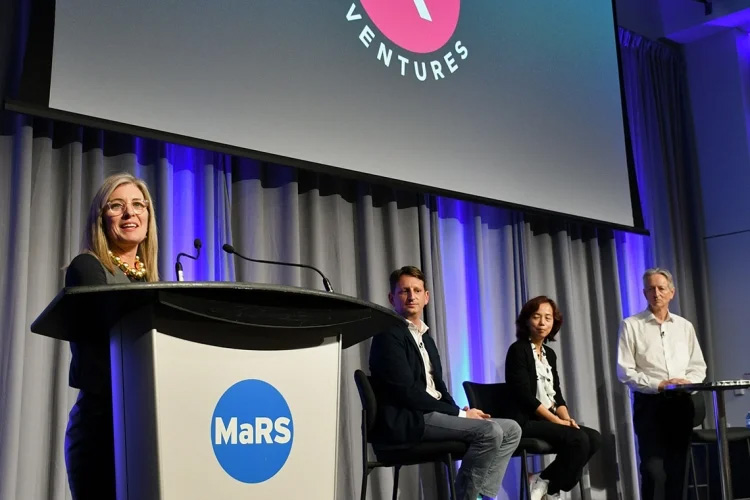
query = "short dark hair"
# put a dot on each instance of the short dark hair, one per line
(532, 306)
(407, 271)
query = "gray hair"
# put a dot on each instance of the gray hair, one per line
(659, 270)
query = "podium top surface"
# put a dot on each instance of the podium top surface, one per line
(264, 308)
(718, 385)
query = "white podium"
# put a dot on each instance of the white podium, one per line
(221, 390)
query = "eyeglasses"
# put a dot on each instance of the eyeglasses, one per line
(117, 207)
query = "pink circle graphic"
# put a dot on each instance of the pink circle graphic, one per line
(419, 26)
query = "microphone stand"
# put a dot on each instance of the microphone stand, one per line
(178, 266)
(326, 283)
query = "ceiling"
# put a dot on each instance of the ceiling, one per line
(682, 21)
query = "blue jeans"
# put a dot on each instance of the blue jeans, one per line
(491, 444)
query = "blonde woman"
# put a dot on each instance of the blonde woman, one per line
(120, 246)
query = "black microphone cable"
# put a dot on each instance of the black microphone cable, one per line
(326, 283)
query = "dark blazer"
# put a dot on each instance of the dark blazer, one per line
(89, 365)
(400, 384)
(520, 375)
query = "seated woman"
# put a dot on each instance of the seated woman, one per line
(538, 404)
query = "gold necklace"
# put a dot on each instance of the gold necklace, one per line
(138, 271)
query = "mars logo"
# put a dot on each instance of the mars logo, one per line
(420, 27)
(252, 431)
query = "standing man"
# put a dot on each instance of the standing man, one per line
(414, 404)
(657, 348)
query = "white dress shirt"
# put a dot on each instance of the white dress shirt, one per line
(649, 352)
(417, 332)
(545, 382)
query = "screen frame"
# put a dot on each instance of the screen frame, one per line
(34, 92)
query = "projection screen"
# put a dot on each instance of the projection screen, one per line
(513, 101)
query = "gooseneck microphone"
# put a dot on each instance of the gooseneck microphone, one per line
(178, 267)
(326, 284)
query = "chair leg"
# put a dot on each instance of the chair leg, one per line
(694, 482)
(365, 464)
(524, 478)
(451, 478)
(396, 470)
(583, 491)
(363, 489)
(708, 471)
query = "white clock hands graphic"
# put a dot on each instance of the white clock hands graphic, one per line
(422, 9)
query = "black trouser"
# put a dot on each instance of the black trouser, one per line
(90, 449)
(663, 423)
(575, 448)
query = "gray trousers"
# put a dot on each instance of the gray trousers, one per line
(491, 444)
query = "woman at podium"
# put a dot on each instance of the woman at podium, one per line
(538, 404)
(120, 246)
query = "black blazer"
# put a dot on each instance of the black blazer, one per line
(520, 375)
(400, 384)
(89, 364)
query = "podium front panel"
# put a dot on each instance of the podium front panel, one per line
(196, 421)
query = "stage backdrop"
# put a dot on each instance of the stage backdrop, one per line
(517, 94)
(482, 263)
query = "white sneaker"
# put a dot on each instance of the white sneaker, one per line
(538, 487)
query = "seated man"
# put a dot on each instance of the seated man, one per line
(414, 402)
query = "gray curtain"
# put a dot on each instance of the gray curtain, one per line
(658, 108)
(482, 263)
(581, 272)
(475, 257)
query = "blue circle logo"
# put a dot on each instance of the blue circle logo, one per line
(252, 431)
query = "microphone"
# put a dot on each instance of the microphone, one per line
(326, 284)
(178, 267)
